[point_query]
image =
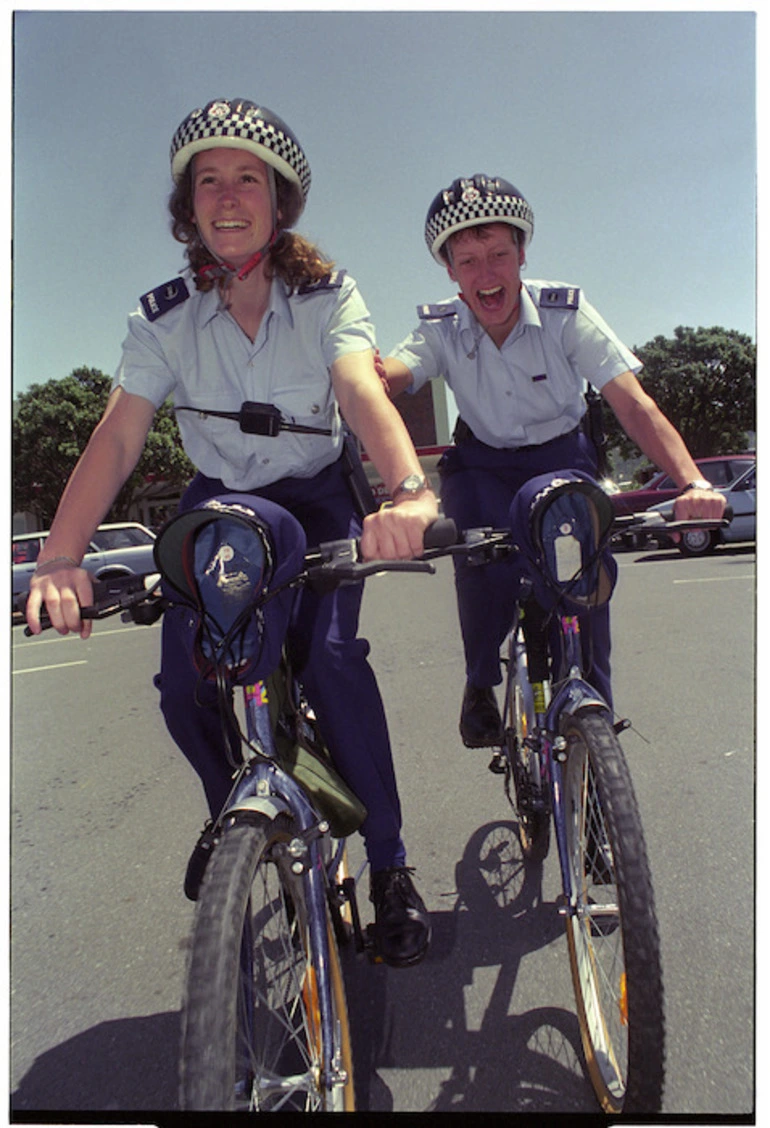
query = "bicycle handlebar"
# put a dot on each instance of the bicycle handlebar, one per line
(331, 565)
(339, 562)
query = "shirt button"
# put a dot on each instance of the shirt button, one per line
(315, 409)
(265, 461)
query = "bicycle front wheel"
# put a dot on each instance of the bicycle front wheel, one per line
(613, 933)
(252, 1025)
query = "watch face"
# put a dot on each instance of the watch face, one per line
(412, 484)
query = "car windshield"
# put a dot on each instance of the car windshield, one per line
(719, 473)
(106, 539)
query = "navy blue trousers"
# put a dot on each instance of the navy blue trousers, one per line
(478, 484)
(327, 656)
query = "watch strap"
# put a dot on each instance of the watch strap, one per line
(697, 484)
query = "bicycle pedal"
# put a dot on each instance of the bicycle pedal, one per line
(498, 764)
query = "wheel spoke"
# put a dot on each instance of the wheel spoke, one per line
(275, 1061)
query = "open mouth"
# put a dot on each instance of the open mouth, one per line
(492, 300)
(230, 225)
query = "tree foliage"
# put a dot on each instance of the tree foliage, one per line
(704, 381)
(51, 427)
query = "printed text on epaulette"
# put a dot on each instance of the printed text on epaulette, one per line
(560, 297)
(163, 298)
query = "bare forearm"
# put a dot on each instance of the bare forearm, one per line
(384, 436)
(110, 456)
(644, 422)
(374, 420)
(397, 376)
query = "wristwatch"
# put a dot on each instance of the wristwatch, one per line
(412, 485)
(697, 484)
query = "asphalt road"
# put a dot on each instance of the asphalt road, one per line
(105, 811)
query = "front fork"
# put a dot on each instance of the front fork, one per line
(551, 748)
(263, 787)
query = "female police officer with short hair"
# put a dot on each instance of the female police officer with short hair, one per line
(518, 356)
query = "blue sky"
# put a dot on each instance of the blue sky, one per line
(632, 134)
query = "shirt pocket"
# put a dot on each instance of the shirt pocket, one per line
(307, 400)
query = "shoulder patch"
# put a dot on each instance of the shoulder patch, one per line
(332, 281)
(560, 297)
(435, 312)
(163, 298)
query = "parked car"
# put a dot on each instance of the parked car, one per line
(742, 498)
(121, 549)
(721, 470)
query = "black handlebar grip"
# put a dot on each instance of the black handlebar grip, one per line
(441, 534)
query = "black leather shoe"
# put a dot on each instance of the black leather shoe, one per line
(401, 921)
(480, 723)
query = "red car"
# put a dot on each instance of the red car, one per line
(721, 470)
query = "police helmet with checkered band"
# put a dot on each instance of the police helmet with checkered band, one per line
(470, 202)
(239, 124)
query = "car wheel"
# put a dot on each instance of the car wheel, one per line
(697, 542)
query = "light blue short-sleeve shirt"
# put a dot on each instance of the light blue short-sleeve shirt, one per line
(532, 389)
(197, 353)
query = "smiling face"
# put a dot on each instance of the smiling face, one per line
(232, 204)
(485, 262)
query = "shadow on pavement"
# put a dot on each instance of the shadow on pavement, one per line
(421, 1018)
(127, 1064)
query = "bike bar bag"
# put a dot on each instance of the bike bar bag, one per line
(225, 557)
(308, 761)
(561, 522)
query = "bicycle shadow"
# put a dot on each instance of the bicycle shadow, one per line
(126, 1065)
(433, 1020)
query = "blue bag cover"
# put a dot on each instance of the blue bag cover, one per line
(559, 520)
(219, 555)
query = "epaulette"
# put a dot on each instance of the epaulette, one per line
(560, 297)
(163, 298)
(435, 312)
(331, 281)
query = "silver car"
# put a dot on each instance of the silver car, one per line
(742, 498)
(122, 549)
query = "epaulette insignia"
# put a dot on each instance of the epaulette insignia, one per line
(332, 281)
(435, 312)
(163, 298)
(560, 297)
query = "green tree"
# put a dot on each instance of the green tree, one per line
(51, 426)
(704, 380)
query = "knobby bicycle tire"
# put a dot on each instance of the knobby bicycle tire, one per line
(251, 1026)
(613, 938)
(525, 790)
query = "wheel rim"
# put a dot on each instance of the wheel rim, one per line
(595, 937)
(697, 540)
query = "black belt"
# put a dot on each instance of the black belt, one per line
(463, 434)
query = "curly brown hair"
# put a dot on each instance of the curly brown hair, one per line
(292, 257)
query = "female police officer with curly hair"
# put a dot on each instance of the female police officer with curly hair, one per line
(261, 316)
